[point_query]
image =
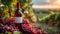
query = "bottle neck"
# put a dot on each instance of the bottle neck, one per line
(18, 5)
(17, 9)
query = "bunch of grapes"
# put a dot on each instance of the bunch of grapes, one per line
(10, 26)
(32, 30)
(7, 26)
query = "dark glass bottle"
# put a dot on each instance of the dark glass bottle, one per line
(18, 14)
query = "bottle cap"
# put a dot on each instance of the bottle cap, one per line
(18, 5)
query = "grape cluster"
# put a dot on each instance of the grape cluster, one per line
(31, 30)
(7, 26)
(4, 28)
(25, 27)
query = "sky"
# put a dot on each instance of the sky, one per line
(48, 4)
(43, 2)
(39, 2)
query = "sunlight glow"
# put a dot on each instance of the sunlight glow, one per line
(46, 6)
(53, 4)
(58, 1)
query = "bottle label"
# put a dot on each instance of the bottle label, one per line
(18, 19)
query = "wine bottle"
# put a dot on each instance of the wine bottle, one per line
(18, 14)
(18, 18)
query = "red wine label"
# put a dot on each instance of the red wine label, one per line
(18, 19)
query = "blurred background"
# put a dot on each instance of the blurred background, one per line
(46, 12)
(43, 13)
